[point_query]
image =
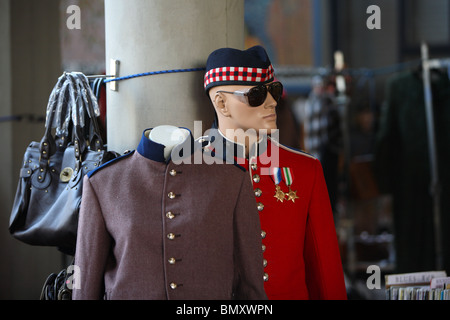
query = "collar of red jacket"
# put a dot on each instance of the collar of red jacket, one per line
(232, 152)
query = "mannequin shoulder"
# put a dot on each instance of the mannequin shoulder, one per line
(297, 152)
(110, 162)
(293, 151)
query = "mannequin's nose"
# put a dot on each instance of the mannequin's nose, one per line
(270, 101)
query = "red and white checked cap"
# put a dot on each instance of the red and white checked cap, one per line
(228, 66)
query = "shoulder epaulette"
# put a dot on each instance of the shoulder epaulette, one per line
(106, 164)
(293, 150)
(297, 151)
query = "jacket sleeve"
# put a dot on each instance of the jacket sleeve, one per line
(248, 257)
(323, 266)
(93, 245)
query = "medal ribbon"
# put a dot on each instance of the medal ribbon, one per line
(276, 175)
(287, 175)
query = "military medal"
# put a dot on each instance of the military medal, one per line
(289, 178)
(276, 177)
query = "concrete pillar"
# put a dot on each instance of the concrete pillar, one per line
(159, 35)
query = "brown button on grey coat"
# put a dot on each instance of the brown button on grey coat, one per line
(151, 229)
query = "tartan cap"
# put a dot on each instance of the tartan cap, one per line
(228, 66)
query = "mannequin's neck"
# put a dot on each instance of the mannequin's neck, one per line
(168, 136)
(246, 138)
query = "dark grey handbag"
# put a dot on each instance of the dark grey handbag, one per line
(48, 196)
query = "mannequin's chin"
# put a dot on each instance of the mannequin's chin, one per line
(268, 130)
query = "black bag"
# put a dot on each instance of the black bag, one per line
(58, 286)
(48, 196)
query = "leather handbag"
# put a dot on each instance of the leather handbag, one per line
(56, 286)
(48, 196)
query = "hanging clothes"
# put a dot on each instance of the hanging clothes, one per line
(315, 119)
(323, 134)
(403, 169)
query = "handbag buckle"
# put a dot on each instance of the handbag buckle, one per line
(66, 174)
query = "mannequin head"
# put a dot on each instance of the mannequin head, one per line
(230, 73)
(233, 113)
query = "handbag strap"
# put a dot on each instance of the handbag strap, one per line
(91, 104)
(48, 145)
(77, 116)
(86, 114)
(83, 117)
(72, 106)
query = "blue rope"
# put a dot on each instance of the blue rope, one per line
(154, 73)
(363, 72)
(26, 117)
(10, 118)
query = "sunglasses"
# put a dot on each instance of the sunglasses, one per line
(256, 96)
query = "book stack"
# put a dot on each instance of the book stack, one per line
(431, 285)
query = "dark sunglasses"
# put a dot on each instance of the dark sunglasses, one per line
(256, 96)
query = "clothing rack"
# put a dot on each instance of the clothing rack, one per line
(435, 188)
(427, 64)
(296, 71)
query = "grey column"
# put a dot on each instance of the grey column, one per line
(155, 35)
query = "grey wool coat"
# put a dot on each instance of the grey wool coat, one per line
(156, 229)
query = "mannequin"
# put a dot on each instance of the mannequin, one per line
(235, 121)
(150, 228)
(299, 242)
(168, 136)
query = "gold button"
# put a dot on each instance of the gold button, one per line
(260, 206)
(258, 192)
(170, 215)
(263, 234)
(173, 285)
(173, 172)
(256, 178)
(171, 195)
(266, 277)
(264, 263)
(263, 247)
(172, 260)
(171, 236)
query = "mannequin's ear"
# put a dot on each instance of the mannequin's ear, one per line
(220, 103)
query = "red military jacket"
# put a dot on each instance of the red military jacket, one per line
(299, 242)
